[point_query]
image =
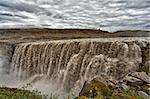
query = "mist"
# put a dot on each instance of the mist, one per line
(9, 77)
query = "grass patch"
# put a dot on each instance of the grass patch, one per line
(14, 93)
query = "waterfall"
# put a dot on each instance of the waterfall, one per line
(69, 62)
(6, 51)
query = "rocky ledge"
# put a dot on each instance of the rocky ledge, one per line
(135, 85)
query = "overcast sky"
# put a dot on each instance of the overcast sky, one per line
(105, 14)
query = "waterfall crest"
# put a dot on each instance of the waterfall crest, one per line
(69, 63)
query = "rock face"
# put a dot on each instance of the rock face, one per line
(67, 62)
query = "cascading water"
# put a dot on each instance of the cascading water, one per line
(6, 51)
(68, 63)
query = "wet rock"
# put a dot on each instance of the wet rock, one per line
(94, 88)
(145, 87)
(112, 83)
(147, 64)
(141, 75)
(125, 87)
(143, 94)
(145, 68)
(146, 53)
(149, 89)
(133, 81)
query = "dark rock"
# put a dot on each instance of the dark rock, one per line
(133, 81)
(145, 67)
(145, 88)
(147, 64)
(141, 75)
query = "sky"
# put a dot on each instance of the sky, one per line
(108, 15)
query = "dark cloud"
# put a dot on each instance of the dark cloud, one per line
(11, 17)
(5, 14)
(20, 6)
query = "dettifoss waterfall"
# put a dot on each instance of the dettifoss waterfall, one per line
(63, 65)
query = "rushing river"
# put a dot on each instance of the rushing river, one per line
(110, 15)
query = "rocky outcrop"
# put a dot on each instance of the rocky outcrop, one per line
(96, 87)
(99, 88)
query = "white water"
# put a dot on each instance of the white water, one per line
(63, 66)
(64, 63)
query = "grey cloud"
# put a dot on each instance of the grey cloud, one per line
(9, 18)
(20, 6)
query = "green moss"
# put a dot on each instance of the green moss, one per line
(14, 93)
(120, 96)
(145, 88)
(130, 94)
(96, 89)
(101, 88)
(125, 96)
(82, 97)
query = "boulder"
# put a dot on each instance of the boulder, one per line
(95, 87)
